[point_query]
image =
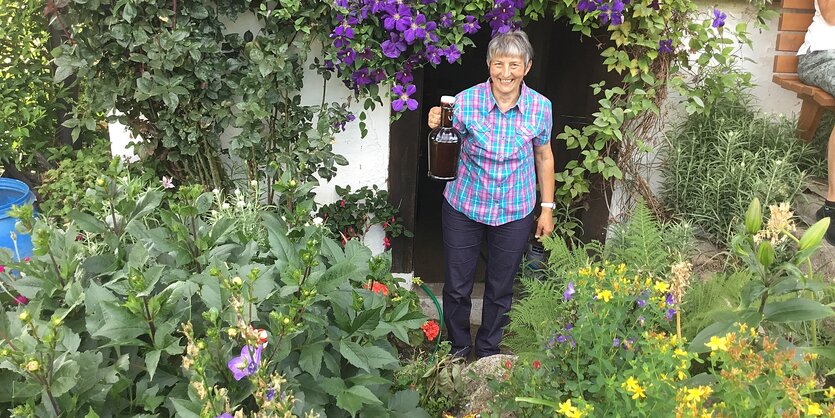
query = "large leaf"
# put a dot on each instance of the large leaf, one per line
(717, 328)
(280, 246)
(147, 203)
(366, 357)
(120, 325)
(65, 376)
(336, 275)
(310, 358)
(87, 222)
(799, 309)
(354, 398)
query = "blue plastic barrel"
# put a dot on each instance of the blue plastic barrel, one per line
(14, 193)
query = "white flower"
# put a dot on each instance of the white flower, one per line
(167, 182)
(215, 191)
(241, 204)
(225, 206)
(237, 192)
(253, 183)
(318, 221)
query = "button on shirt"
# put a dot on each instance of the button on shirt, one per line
(496, 181)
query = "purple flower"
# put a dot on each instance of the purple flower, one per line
(348, 56)
(345, 29)
(246, 364)
(471, 25)
(167, 182)
(670, 313)
(568, 327)
(566, 296)
(669, 299)
(718, 18)
(452, 53)
(378, 75)
(361, 77)
(665, 46)
(616, 342)
(433, 54)
(446, 20)
(586, 6)
(641, 303)
(342, 3)
(403, 100)
(416, 30)
(270, 394)
(404, 76)
(394, 46)
(398, 16)
(612, 12)
(561, 339)
(225, 415)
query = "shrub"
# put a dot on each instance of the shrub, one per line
(150, 303)
(64, 187)
(719, 162)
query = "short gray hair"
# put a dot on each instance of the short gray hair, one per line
(510, 44)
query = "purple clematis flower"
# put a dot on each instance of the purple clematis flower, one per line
(398, 16)
(586, 6)
(225, 415)
(404, 100)
(566, 296)
(446, 20)
(404, 76)
(247, 363)
(471, 25)
(665, 46)
(452, 53)
(394, 46)
(416, 30)
(361, 77)
(433, 54)
(718, 18)
(345, 27)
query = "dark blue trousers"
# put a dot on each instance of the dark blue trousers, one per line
(462, 245)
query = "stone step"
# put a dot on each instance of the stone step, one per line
(429, 309)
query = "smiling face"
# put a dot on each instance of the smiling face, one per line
(506, 74)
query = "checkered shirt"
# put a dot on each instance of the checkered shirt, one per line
(496, 181)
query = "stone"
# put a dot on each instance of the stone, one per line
(476, 376)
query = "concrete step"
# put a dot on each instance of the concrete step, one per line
(429, 309)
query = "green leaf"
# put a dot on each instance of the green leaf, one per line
(366, 357)
(310, 358)
(65, 376)
(91, 414)
(120, 325)
(87, 222)
(147, 203)
(795, 310)
(151, 362)
(185, 408)
(717, 328)
(280, 245)
(129, 12)
(354, 398)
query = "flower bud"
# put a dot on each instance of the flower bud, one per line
(292, 184)
(33, 366)
(5, 352)
(232, 332)
(214, 271)
(237, 281)
(286, 321)
(100, 182)
(813, 235)
(24, 316)
(753, 217)
(56, 321)
(765, 254)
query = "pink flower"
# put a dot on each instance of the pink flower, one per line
(21, 300)
(2, 268)
(537, 364)
(167, 182)
(386, 243)
(27, 259)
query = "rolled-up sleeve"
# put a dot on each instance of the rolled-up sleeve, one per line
(547, 125)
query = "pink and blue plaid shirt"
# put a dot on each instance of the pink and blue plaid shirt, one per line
(496, 181)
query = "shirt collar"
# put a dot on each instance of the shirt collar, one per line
(521, 102)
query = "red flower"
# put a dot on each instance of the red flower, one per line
(27, 259)
(386, 243)
(537, 364)
(2, 268)
(430, 330)
(378, 288)
(21, 300)
(342, 203)
(508, 365)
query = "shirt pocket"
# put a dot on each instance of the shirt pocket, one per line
(484, 143)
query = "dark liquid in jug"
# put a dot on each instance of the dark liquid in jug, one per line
(444, 145)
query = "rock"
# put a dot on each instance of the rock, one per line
(823, 260)
(475, 378)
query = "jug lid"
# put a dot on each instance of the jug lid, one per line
(448, 99)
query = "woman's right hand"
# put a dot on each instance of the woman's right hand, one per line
(435, 117)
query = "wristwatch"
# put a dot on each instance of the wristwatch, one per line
(550, 205)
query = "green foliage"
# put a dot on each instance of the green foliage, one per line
(645, 243)
(437, 378)
(109, 294)
(781, 298)
(354, 213)
(719, 161)
(64, 187)
(27, 93)
(707, 300)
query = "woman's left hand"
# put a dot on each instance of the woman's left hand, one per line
(545, 225)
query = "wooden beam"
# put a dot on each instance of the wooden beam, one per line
(795, 21)
(785, 63)
(799, 4)
(790, 41)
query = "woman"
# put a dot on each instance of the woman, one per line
(816, 66)
(506, 128)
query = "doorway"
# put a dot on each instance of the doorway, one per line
(565, 64)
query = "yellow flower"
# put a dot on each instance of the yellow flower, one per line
(568, 410)
(680, 353)
(697, 394)
(585, 271)
(639, 393)
(717, 343)
(606, 295)
(830, 392)
(661, 287)
(631, 383)
(814, 408)
(621, 269)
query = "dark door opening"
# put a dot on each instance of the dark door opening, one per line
(565, 64)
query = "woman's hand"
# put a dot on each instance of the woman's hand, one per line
(545, 224)
(435, 117)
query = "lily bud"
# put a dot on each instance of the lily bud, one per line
(24, 316)
(813, 235)
(754, 217)
(765, 254)
(33, 366)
